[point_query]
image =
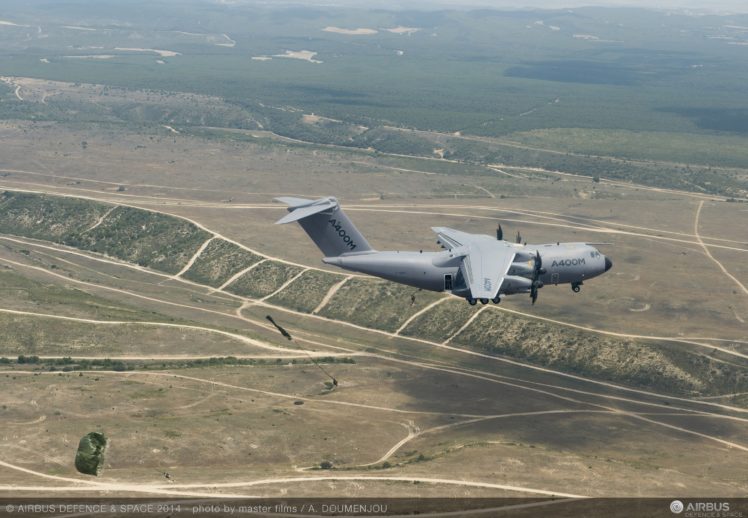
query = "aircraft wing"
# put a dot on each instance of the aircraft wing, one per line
(485, 260)
(451, 237)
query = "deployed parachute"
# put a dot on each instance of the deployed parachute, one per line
(89, 458)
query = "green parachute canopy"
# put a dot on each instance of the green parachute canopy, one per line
(90, 456)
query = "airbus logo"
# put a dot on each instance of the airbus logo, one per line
(708, 507)
(342, 233)
(568, 262)
(697, 508)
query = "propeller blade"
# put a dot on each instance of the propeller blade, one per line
(537, 271)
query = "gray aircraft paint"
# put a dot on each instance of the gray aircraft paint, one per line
(476, 266)
(326, 224)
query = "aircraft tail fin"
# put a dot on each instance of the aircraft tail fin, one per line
(326, 223)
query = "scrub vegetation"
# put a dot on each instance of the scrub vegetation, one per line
(640, 363)
(264, 280)
(376, 303)
(148, 239)
(220, 261)
(308, 291)
(571, 92)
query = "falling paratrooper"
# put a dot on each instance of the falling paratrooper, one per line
(334, 382)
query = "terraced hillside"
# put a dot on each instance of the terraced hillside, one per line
(377, 304)
(307, 292)
(265, 279)
(145, 238)
(45, 217)
(220, 261)
(168, 243)
(639, 363)
(443, 320)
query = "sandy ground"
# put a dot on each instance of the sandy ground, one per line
(162, 53)
(361, 31)
(485, 425)
(304, 55)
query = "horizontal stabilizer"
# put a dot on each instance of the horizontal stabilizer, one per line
(301, 208)
(326, 224)
(295, 202)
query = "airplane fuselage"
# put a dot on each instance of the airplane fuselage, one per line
(563, 263)
(473, 266)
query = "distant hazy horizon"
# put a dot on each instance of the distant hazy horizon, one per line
(699, 5)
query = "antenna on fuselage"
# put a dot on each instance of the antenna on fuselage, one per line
(500, 233)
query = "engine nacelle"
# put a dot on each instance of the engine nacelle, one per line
(521, 269)
(515, 284)
(523, 256)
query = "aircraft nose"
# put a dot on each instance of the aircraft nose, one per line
(608, 264)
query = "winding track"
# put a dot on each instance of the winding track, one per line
(100, 220)
(415, 433)
(288, 479)
(419, 313)
(483, 375)
(464, 326)
(284, 285)
(145, 323)
(116, 198)
(709, 254)
(245, 301)
(238, 274)
(195, 223)
(161, 489)
(195, 256)
(330, 294)
(475, 418)
(631, 336)
(169, 489)
(528, 147)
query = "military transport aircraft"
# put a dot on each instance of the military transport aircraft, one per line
(473, 266)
